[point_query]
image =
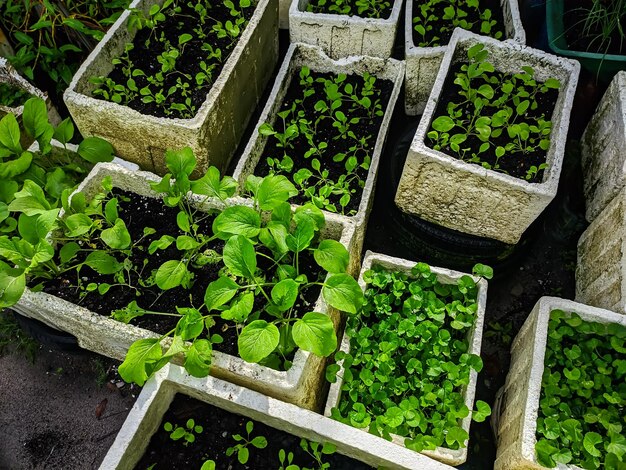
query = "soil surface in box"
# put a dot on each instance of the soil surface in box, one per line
(211, 444)
(144, 56)
(514, 164)
(582, 34)
(139, 212)
(325, 132)
(443, 29)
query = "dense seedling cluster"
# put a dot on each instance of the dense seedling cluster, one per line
(54, 37)
(409, 358)
(435, 20)
(361, 8)
(495, 117)
(256, 254)
(321, 139)
(189, 41)
(582, 408)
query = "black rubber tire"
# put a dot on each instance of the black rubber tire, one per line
(48, 336)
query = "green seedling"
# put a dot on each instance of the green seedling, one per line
(188, 432)
(242, 449)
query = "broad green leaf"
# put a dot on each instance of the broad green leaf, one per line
(95, 150)
(212, 185)
(140, 361)
(311, 212)
(45, 223)
(285, 293)
(185, 242)
(343, 292)
(219, 292)
(172, 274)
(12, 286)
(30, 200)
(315, 332)
(483, 410)
(241, 309)
(257, 340)
(160, 244)
(10, 134)
(545, 450)
(116, 237)
(100, 261)
(190, 325)
(617, 445)
(68, 251)
(64, 131)
(35, 119)
(590, 441)
(443, 124)
(239, 256)
(301, 237)
(273, 191)
(77, 225)
(332, 256)
(13, 168)
(181, 163)
(198, 358)
(237, 220)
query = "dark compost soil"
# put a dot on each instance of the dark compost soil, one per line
(514, 164)
(443, 29)
(364, 128)
(139, 212)
(211, 444)
(144, 57)
(590, 39)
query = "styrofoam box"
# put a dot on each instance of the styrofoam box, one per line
(445, 276)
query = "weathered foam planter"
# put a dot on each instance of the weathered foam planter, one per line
(156, 396)
(214, 132)
(517, 424)
(111, 338)
(601, 264)
(445, 276)
(422, 63)
(465, 196)
(602, 149)
(314, 58)
(343, 35)
(10, 76)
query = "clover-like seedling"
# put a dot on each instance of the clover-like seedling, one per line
(187, 432)
(242, 449)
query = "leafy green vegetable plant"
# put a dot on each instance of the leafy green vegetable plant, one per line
(582, 407)
(361, 8)
(495, 116)
(187, 64)
(242, 448)
(435, 20)
(259, 303)
(322, 127)
(409, 358)
(12, 96)
(187, 432)
(316, 450)
(33, 187)
(53, 37)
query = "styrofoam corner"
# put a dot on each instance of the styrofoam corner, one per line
(601, 263)
(602, 149)
(422, 63)
(517, 424)
(156, 396)
(343, 35)
(101, 334)
(445, 276)
(216, 129)
(10, 76)
(467, 197)
(314, 58)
